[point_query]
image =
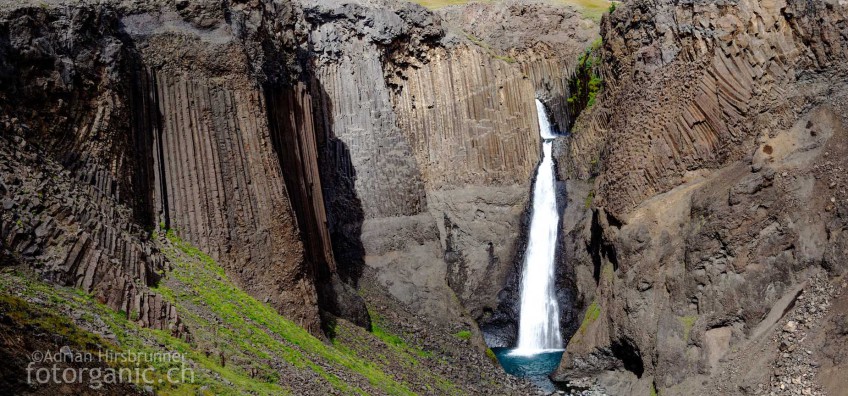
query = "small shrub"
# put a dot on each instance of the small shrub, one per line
(687, 322)
(491, 354)
(463, 335)
(589, 198)
(586, 82)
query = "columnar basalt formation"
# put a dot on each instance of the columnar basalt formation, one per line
(720, 73)
(718, 146)
(298, 144)
(75, 184)
(222, 189)
(440, 148)
(294, 135)
(189, 151)
(477, 130)
(73, 232)
(305, 144)
(543, 39)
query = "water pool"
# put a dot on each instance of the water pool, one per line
(535, 367)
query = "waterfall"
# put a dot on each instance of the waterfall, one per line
(538, 328)
(545, 130)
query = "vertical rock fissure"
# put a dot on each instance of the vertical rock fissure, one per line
(159, 159)
(294, 136)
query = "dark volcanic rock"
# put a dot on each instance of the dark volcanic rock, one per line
(245, 129)
(715, 147)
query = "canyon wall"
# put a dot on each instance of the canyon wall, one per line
(301, 145)
(713, 165)
(161, 110)
(74, 179)
(308, 146)
(435, 156)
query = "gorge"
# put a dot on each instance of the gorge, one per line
(379, 197)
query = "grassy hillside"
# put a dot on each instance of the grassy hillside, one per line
(592, 9)
(434, 4)
(238, 345)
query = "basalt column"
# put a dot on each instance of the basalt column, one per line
(294, 133)
(75, 157)
(220, 186)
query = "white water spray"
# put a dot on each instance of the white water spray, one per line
(538, 328)
(545, 130)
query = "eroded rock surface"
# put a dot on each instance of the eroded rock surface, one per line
(301, 144)
(719, 149)
(437, 156)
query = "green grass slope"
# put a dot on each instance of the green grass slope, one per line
(592, 9)
(238, 345)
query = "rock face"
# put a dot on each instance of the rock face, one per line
(299, 144)
(305, 145)
(719, 149)
(72, 185)
(545, 40)
(166, 111)
(427, 172)
(71, 231)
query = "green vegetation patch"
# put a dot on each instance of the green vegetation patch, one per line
(463, 335)
(491, 354)
(237, 345)
(586, 83)
(399, 353)
(688, 322)
(593, 312)
(380, 332)
(590, 9)
(129, 337)
(254, 328)
(589, 198)
(26, 314)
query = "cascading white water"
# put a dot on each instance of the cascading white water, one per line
(545, 130)
(538, 326)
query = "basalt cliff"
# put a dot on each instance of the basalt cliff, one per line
(332, 197)
(711, 257)
(359, 168)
